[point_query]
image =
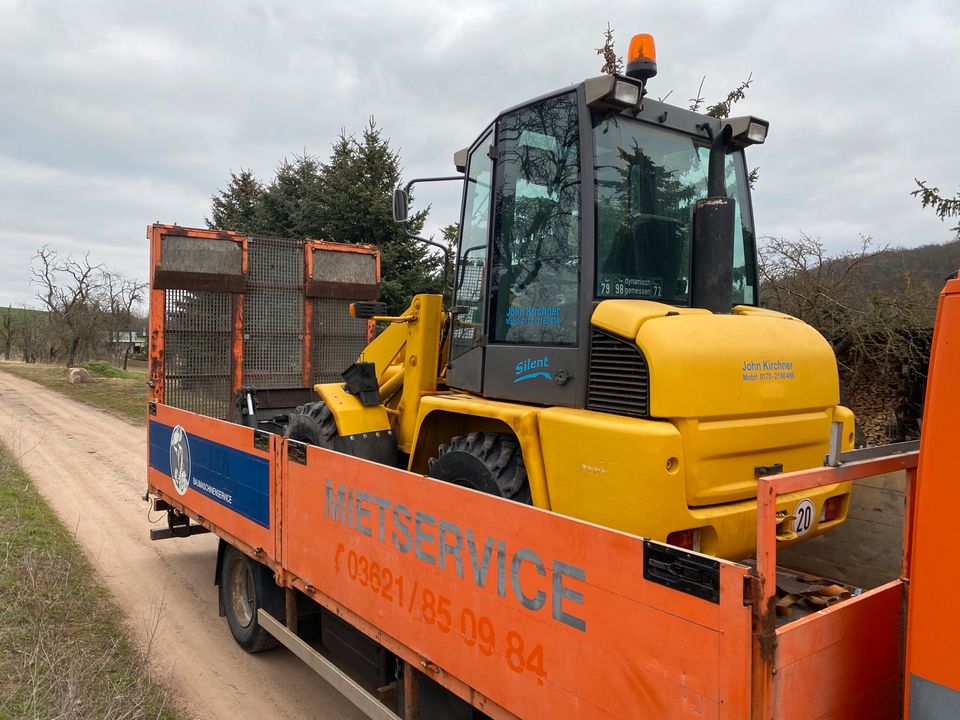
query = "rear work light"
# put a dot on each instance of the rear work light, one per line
(832, 508)
(686, 539)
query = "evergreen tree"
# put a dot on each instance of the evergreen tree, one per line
(358, 185)
(291, 205)
(348, 199)
(235, 208)
(943, 205)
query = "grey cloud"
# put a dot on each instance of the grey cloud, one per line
(116, 114)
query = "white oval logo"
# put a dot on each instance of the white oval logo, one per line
(180, 459)
(803, 517)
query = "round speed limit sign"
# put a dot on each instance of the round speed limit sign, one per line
(803, 517)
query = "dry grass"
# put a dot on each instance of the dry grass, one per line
(124, 396)
(63, 653)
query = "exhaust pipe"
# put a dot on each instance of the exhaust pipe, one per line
(711, 262)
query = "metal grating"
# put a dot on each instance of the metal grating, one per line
(469, 325)
(273, 314)
(197, 340)
(619, 380)
(338, 338)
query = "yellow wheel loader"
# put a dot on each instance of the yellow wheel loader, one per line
(604, 355)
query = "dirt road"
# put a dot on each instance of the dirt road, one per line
(91, 467)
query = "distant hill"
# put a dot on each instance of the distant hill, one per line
(928, 266)
(877, 309)
(19, 312)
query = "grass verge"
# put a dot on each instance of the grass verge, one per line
(125, 396)
(63, 653)
(102, 368)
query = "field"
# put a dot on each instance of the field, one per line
(63, 653)
(114, 390)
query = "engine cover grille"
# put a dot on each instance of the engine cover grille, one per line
(619, 380)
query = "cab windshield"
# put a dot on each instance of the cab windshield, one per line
(647, 182)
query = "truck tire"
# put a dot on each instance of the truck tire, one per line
(486, 461)
(313, 423)
(243, 590)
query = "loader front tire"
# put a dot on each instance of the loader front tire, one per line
(486, 461)
(313, 423)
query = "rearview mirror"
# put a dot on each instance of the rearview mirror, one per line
(400, 204)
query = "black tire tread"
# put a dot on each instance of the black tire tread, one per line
(498, 464)
(253, 639)
(312, 423)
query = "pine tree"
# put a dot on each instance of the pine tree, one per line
(235, 208)
(291, 205)
(943, 205)
(347, 199)
(358, 185)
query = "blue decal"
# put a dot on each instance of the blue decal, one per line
(533, 316)
(531, 376)
(235, 479)
(532, 368)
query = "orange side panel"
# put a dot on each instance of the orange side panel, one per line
(231, 482)
(545, 615)
(157, 320)
(933, 621)
(843, 662)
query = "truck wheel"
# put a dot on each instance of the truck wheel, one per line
(313, 423)
(242, 593)
(485, 461)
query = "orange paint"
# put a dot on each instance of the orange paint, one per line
(933, 622)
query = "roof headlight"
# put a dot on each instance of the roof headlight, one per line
(756, 132)
(626, 94)
(747, 130)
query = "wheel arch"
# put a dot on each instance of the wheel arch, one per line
(441, 418)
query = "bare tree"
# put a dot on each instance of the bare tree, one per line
(68, 289)
(868, 322)
(29, 336)
(121, 296)
(8, 328)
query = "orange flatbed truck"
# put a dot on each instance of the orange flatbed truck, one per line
(435, 600)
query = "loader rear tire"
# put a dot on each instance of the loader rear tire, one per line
(313, 423)
(485, 461)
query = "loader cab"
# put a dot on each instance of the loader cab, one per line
(570, 200)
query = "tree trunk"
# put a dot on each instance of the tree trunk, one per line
(72, 351)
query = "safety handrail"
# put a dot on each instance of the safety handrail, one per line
(769, 487)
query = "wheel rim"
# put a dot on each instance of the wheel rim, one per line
(241, 592)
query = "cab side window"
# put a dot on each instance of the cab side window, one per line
(472, 258)
(535, 274)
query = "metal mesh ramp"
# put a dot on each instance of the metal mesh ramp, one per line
(262, 312)
(273, 314)
(198, 332)
(338, 339)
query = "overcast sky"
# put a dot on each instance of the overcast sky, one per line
(115, 114)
